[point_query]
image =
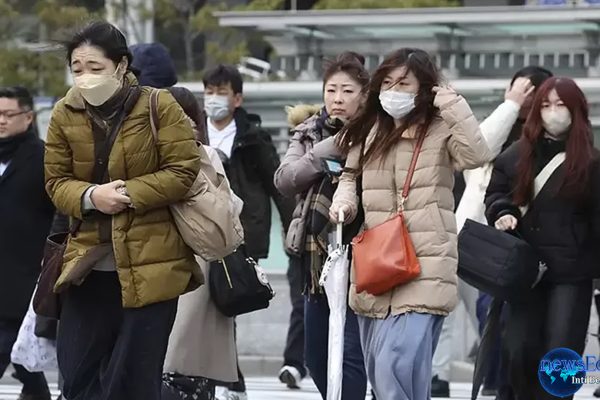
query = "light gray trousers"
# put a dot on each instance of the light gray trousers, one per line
(398, 351)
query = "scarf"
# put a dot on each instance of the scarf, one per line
(103, 118)
(10, 145)
(318, 226)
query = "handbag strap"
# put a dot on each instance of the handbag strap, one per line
(411, 170)
(542, 178)
(101, 164)
(154, 119)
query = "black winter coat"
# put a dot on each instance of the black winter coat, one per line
(25, 216)
(250, 170)
(563, 231)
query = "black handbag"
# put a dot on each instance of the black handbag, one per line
(496, 262)
(238, 285)
(499, 263)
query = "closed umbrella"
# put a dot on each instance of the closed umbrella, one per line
(334, 280)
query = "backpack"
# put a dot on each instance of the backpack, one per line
(208, 216)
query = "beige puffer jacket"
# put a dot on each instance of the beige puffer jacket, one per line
(453, 141)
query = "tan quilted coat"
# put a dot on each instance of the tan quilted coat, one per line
(453, 141)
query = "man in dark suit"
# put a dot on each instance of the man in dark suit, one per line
(26, 214)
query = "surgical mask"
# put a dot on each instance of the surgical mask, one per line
(397, 104)
(216, 107)
(97, 89)
(556, 121)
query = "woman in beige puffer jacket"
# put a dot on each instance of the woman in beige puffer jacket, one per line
(400, 328)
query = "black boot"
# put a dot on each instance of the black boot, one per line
(439, 388)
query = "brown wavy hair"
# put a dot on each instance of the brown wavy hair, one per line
(579, 144)
(422, 66)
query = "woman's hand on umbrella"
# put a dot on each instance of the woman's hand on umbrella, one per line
(335, 210)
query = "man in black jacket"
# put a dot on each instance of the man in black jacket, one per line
(251, 156)
(250, 160)
(26, 213)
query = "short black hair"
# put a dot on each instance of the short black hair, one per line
(20, 94)
(222, 75)
(537, 75)
(104, 36)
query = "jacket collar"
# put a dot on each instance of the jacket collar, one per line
(247, 127)
(25, 151)
(74, 100)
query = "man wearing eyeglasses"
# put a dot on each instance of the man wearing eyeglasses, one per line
(25, 216)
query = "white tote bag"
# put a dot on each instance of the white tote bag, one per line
(35, 354)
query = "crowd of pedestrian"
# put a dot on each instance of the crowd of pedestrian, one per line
(397, 155)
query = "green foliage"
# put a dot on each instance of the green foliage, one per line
(220, 54)
(262, 5)
(42, 73)
(59, 18)
(369, 4)
(8, 23)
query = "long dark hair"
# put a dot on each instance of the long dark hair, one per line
(421, 65)
(579, 143)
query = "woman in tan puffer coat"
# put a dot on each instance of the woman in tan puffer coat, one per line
(399, 329)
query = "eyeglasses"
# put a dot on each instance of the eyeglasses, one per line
(12, 114)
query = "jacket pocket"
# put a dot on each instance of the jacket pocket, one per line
(437, 222)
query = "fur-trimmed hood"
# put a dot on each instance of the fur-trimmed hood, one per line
(300, 113)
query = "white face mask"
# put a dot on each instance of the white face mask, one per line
(216, 107)
(97, 89)
(556, 121)
(397, 104)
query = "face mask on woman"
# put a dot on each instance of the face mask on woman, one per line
(397, 104)
(97, 89)
(556, 122)
(216, 107)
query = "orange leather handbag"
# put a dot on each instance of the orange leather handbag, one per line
(384, 256)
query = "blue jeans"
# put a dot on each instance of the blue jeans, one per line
(316, 331)
(398, 353)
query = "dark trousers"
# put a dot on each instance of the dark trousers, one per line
(34, 383)
(106, 352)
(294, 347)
(316, 328)
(555, 315)
(495, 376)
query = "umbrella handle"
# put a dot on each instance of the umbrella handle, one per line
(339, 228)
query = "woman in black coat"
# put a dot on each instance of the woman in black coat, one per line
(562, 224)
